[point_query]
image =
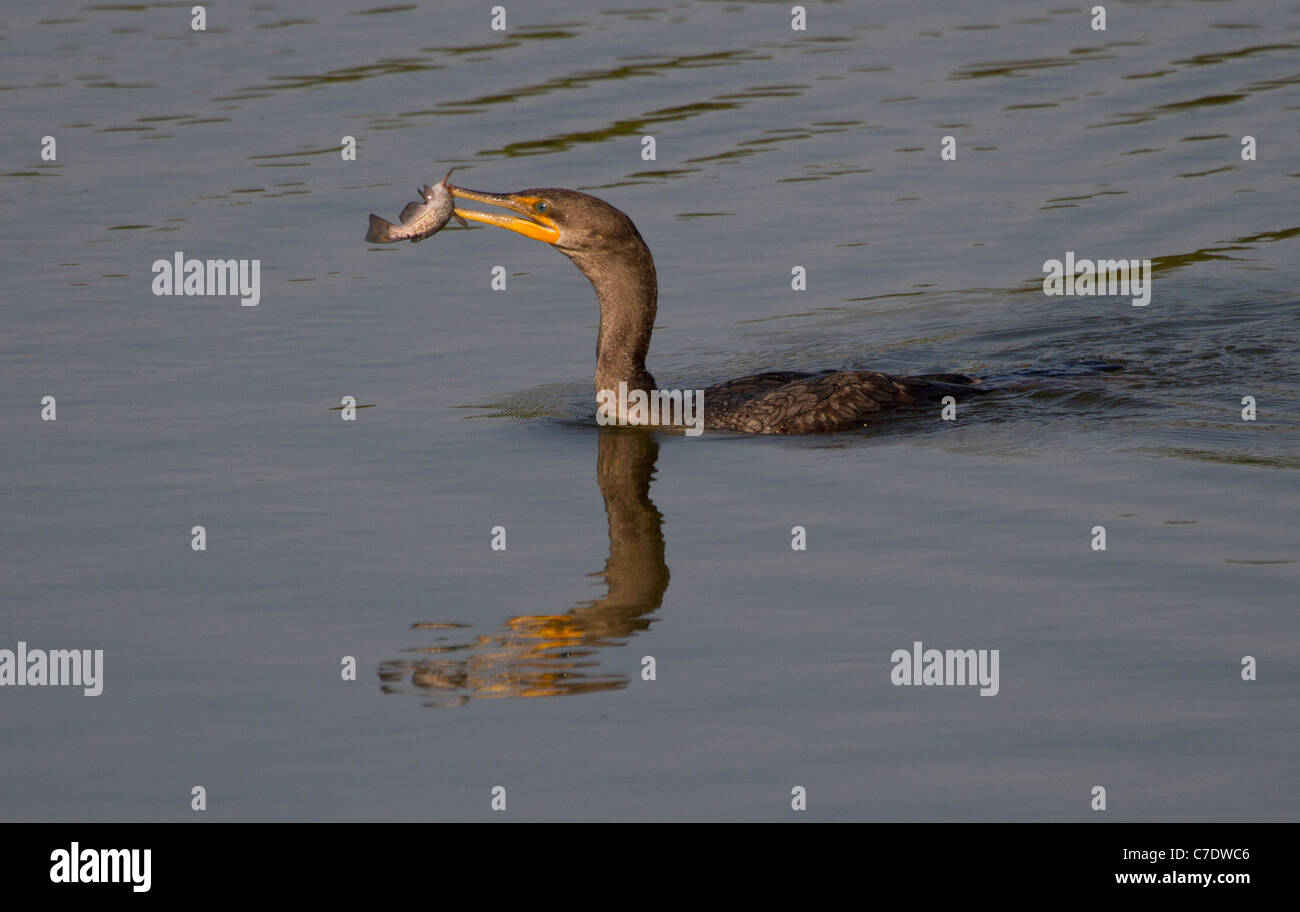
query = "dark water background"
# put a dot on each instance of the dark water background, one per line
(775, 148)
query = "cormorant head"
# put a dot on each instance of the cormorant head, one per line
(577, 224)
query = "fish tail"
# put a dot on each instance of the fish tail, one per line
(381, 232)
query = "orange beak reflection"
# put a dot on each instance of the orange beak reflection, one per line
(530, 223)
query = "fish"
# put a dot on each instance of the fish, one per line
(418, 220)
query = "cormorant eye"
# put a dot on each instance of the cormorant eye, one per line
(540, 206)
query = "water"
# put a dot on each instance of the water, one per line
(775, 148)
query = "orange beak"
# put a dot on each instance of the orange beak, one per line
(530, 223)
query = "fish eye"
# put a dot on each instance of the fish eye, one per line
(540, 206)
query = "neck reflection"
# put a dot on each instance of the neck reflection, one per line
(554, 655)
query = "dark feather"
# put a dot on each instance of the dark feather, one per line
(787, 402)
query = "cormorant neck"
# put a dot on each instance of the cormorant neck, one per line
(628, 290)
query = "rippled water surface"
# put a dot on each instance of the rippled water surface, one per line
(774, 148)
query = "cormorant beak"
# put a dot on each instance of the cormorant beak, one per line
(534, 224)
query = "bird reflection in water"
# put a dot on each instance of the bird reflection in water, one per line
(550, 655)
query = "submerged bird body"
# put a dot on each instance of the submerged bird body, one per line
(787, 402)
(418, 220)
(607, 248)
